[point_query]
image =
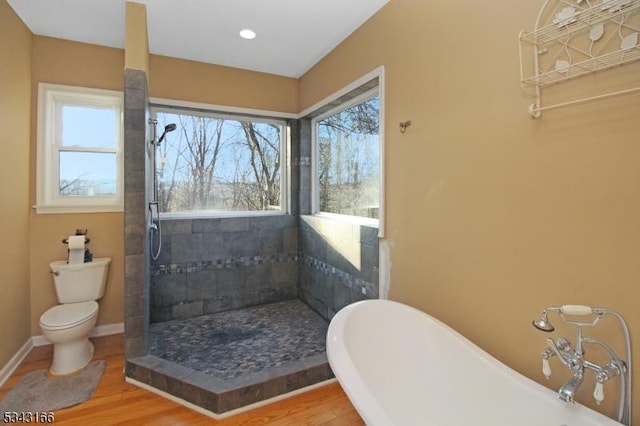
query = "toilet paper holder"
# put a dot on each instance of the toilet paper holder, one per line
(79, 231)
(86, 240)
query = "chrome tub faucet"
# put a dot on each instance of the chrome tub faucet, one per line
(574, 360)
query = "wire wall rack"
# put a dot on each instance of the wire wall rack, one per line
(575, 38)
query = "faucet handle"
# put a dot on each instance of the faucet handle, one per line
(546, 368)
(563, 355)
(598, 393)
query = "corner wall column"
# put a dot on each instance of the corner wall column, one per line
(136, 271)
(136, 163)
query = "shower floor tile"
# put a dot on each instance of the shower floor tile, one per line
(228, 345)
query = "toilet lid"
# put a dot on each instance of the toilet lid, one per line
(69, 314)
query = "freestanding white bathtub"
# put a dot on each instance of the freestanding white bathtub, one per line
(400, 366)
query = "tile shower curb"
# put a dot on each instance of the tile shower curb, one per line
(220, 396)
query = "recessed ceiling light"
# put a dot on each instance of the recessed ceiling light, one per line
(247, 34)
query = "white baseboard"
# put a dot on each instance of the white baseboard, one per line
(33, 341)
(101, 330)
(15, 361)
(222, 416)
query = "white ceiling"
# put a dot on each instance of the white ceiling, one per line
(292, 35)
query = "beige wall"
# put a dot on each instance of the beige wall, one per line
(15, 90)
(136, 49)
(172, 78)
(76, 64)
(493, 216)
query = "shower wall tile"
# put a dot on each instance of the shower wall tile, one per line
(232, 282)
(134, 183)
(136, 99)
(187, 310)
(271, 241)
(214, 246)
(304, 169)
(134, 271)
(236, 224)
(213, 265)
(290, 240)
(161, 314)
(135, 305)
(217, 304)
(168, 290)
(134, 162)
(135, 326)
(186, 248)
(136, 274)
(170, 227)
(135, 202)
(134, 118)
(202, 285)
(241, 243)
(135, 79)
(284, 274)
(259, 277)
(338, 264)
(134, 226)
(206, 225)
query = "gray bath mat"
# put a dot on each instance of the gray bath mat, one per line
(37, 392)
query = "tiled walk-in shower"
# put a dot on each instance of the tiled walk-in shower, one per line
(234, 310)
(231, 359)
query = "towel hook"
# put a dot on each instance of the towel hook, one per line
(404, 125)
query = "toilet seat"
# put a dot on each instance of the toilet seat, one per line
(68, 315)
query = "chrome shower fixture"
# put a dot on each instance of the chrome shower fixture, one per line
(155, 141)
(573, 311)
(155, 228)
(574, 360)
(168, 128)
(543, 323)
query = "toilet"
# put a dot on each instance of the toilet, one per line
(69, 324)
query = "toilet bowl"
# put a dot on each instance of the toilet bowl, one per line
(68, 327)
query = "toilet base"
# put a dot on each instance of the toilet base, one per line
(71, 356)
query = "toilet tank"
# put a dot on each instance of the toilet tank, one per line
(82, 282)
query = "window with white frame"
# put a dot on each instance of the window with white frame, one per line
(347, 158)
(79, 157)
(220, 164)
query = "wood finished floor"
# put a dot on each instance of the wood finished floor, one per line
(116, 402)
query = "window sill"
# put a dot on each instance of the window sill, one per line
(221, 214)
(364, 221)
(49, 209)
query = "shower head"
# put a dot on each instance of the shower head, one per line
(168, 128)
(543, 323)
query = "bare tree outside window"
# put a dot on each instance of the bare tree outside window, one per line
(348, 160)
(219, 164)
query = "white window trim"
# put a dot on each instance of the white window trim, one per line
(234, 113)
(315, 192)
(47, 173)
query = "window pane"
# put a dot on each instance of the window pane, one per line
(89, 127)
(348, 161)
(87, 174)
(218, 164)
